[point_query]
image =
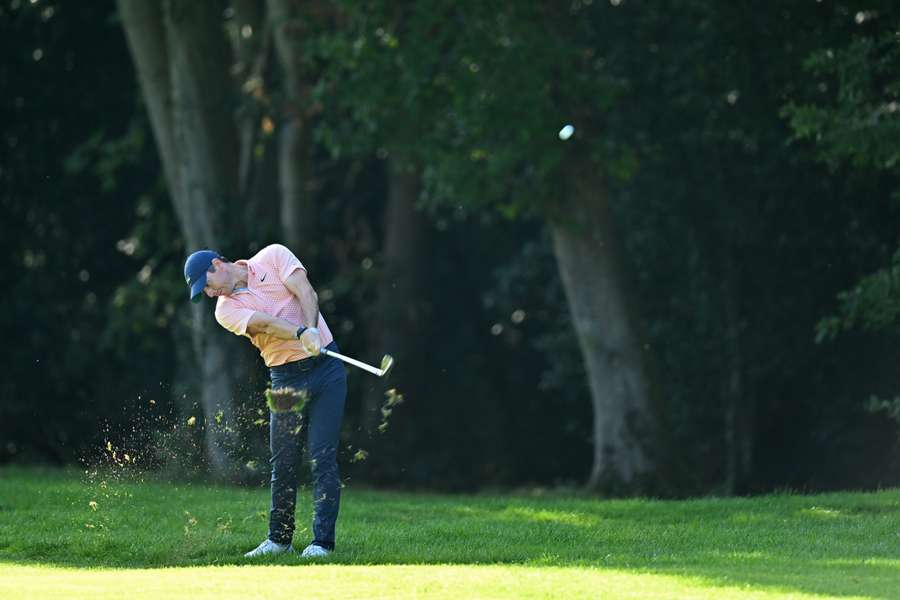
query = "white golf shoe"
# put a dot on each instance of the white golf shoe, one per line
(314, 551)
(269, 548)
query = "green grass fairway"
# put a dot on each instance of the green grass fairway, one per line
(64, 535)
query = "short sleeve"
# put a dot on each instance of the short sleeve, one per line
(233, 318)
(284, 261)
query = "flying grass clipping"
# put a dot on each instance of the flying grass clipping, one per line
(286, 399)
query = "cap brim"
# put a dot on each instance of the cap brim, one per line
(197, 289)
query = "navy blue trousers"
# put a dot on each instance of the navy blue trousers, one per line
(325, 380)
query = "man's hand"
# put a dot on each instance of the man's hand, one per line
(311, 341)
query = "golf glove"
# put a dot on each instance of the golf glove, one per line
(311, 341)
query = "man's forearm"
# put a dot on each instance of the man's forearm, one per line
(285, 330)
(274, 326)
(299, 286)
(309, 306)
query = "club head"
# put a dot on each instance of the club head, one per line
(387, 363)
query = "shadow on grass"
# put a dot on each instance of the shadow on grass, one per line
(838, 544)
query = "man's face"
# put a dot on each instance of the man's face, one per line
(215, 280)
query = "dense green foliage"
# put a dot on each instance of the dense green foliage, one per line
(751, 158)
(851, 118)
(77, 178)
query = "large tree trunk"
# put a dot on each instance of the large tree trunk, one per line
(295, 173)
(182, 62)
(202, 105)
(404, 260)
(585, 249)
(145, 32)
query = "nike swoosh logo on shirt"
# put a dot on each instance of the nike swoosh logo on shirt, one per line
(263, 278)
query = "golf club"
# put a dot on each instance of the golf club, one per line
(387, 363)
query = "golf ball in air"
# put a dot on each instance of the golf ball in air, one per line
(566, 132)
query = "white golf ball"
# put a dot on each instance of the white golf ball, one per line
(566, 132)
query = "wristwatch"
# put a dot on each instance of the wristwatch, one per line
(300, 331)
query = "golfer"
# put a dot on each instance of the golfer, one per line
(269, 299)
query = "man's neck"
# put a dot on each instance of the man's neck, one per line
(241, 276)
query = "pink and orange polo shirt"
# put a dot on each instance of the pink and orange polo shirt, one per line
(266, 293)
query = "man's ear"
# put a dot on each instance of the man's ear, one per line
(217, 262)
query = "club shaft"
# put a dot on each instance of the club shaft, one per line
(352, 361)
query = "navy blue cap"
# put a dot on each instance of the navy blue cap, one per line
(195, 268)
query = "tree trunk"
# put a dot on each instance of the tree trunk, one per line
(182, 63)
(250, 46)
(207, 150)
(202, 105)
(297, 187)
(257, 168)
(295, 143)
(145, 33)
(398, 327)
(585, 249)
(738, 412)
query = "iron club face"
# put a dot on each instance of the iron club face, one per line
(387, 363)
